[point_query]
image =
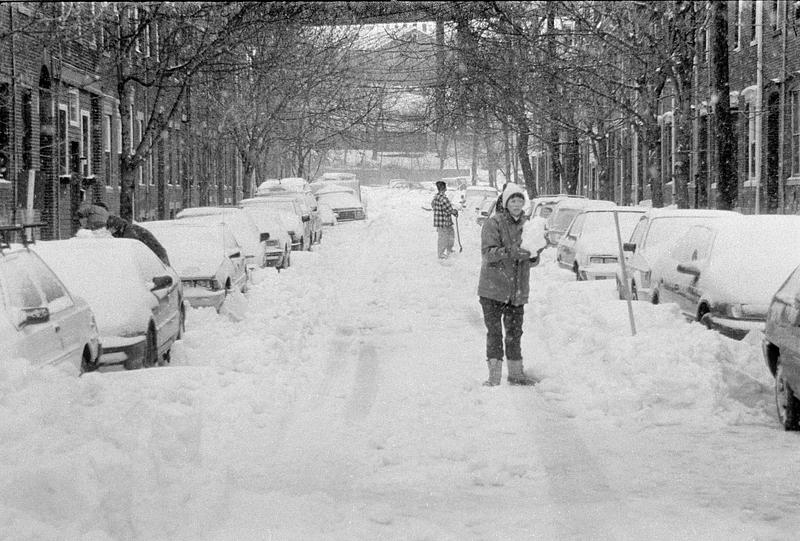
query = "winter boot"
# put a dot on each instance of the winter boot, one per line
(516, 374)
(495, 372)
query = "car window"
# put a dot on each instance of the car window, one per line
(694, 245)
(789, 292)
(55, 294)
(638, 232)
(21, 289)
(149, 265)
(562, 218)
(231, 246)
(664, 231)
(577, 226)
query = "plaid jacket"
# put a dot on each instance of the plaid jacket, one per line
(442, 209)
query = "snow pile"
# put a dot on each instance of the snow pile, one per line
(533, 238)
(341, 399)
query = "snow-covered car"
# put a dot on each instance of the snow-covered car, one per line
(288, 210)
(475, 195)
(344, 205)
(207, 257)
(326, 214)
(565, 211)
(403, 184)
(656, 231)
(136, 299)
(781, 348)
(41, 320)
(485, 209)
(242, 225)
(275, 235)
(307, 205)
(724, 273)
(590, 248)
(544, 205)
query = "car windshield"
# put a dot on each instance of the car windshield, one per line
(664, 231)
(338, 200)
(603, 222)
(563, 218)
(275, 204)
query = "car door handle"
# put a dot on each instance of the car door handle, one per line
(57, 327)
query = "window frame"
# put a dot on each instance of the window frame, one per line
(86, 142)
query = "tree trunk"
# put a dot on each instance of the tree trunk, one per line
(683, 147)
(127, 179)
(724, 165)
(652, 153)
(474, 164)
(491, 158)
(523, 136)
(571, 163)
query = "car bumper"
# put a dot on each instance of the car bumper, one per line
(198, 297)
(122, 350)
(605, 271)
(271, 259)
(346, 215)
(734, 328)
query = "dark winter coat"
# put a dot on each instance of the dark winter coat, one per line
(503, 277)
(127, 230)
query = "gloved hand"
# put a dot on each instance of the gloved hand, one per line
(518, 254)
(522, 255)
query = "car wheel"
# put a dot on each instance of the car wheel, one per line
(150, 357)
(787, 403)
(87, 364)
(181, 323)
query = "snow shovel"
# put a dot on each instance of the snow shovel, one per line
(458, 236)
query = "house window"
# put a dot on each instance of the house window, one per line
(774, 15)
(737, 30)
(118, 120)
(146, 39)
(797, 9)
(73, 108)
(750, 152)
(86, 144)
(107, 146)
(796, 133)
(63, 119)
(754, 5)
(5, 130)
(140, 132)
(130, 126)
(107, 134)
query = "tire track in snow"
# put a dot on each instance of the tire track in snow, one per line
(581, 495)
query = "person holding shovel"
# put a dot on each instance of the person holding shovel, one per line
(442, 221)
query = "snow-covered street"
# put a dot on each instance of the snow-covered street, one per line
(342, 399)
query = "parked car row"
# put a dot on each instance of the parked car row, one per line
(95, 300)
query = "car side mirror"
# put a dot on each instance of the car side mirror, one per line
(629, 247)
(161, 282)
(306, 217)
(689, 268)
(235, 255)
(264, 237)
(33, 316)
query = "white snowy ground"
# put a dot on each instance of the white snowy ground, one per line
(346, 403)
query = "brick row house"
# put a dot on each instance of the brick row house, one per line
(61, 133)
(764, 76)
